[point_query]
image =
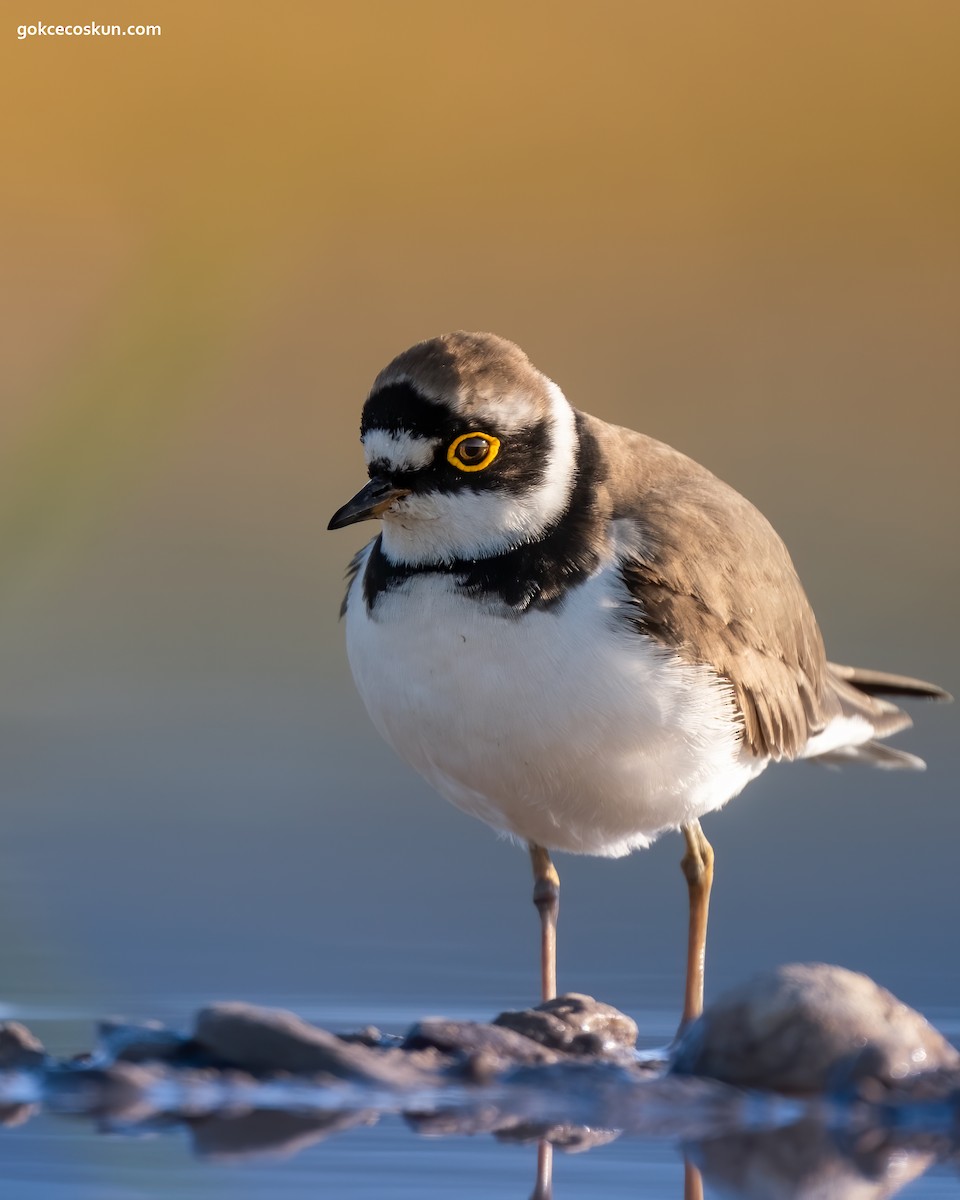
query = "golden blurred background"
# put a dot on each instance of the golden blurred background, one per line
(734, 226)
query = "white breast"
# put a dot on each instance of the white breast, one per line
(564, 727)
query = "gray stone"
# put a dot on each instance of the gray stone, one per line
(369, 1035)
(147, 1041)
(575, 1024)
(496, 1047)
(20, 1050)
(271, 1041)
(940, 1086)
(123, 1091)
(807, 1028)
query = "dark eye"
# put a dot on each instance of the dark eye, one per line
(473, 451)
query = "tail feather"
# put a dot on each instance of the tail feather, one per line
(863, 713)
(873, 754)
(882, 683)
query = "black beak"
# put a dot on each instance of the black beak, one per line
(371, 501)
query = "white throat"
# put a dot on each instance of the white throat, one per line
(444, 526)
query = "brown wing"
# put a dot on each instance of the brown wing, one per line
(712, 580)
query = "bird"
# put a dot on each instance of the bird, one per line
(578, 634)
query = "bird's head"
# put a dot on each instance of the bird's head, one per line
(470, 450)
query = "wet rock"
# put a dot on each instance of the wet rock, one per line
(271, 1040)
(564, 1072)
(571, 1025)
(128, 1091)
(369, 1035)
(498, 1047)
(480, 1068)
(20, 1050)
(147, 1041)
(124, 1091)
(865, 1077)
(809, 1028)
(575, 1024)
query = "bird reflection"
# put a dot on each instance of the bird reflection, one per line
(803, 1161)
(692, 1181)
(543, 1188)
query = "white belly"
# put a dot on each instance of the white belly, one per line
(564, 727)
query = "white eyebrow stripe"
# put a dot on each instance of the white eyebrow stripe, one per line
(403, 451)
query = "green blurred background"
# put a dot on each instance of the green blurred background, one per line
(732, 226)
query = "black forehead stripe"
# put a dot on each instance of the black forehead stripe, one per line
(521, 464)
(538, 574)
(400, 407)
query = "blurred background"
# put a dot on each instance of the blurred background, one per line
(734, 227)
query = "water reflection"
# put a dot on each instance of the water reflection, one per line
(807, 1161)
(822, 1154)
(692, 1182)
(802, 1161)
(543, 1188)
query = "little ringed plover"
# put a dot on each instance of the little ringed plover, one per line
(575, 632)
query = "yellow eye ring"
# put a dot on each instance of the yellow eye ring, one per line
(454, 452)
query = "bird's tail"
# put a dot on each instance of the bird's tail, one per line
(862, 693)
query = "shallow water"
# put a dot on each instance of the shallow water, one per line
(200, 813)
(366, 1156)
(126, 891)
(369, 1153)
